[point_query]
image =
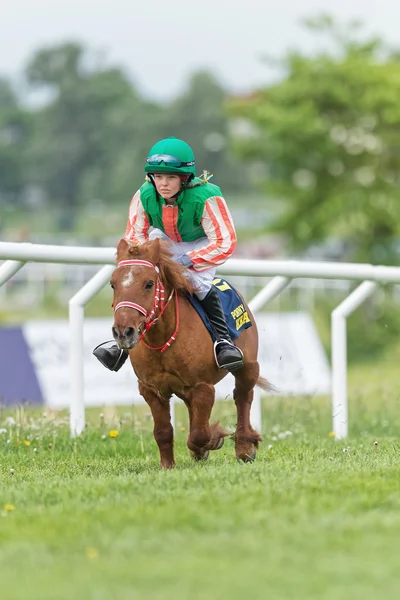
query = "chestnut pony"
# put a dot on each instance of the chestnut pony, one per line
(171, 351)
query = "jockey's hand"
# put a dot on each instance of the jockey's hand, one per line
(184, 260)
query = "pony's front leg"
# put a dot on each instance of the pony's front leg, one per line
(163, 430)
(200, 403)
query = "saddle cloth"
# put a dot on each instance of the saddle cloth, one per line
(236, 315)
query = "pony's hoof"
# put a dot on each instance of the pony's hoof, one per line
(247, 458)
(200, 458)
(220, 443)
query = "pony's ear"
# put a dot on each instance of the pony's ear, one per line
(153, 251)
(122, 249)
(125, 248)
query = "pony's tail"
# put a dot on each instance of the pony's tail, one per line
(265, 385)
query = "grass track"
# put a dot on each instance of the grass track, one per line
(311, 519)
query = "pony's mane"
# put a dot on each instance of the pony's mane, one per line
(172, 274)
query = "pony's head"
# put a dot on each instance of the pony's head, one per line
(144, 278)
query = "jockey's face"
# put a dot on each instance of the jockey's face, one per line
(167, 184)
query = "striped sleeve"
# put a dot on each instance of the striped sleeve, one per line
(219, 228)
(137, 227)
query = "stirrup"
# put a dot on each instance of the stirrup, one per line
(110, 355)
(234, 359)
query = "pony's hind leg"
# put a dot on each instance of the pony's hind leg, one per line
(203, 437)
(163, 430)
(246, 438)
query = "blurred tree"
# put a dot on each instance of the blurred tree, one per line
(329, 137)
(85, 141)
(84, 134)
(7, 97)
(199, 116)
(14, 130)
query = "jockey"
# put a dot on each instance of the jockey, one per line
(175, 205)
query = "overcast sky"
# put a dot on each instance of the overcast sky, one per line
(159, 42)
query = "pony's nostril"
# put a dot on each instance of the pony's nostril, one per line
(114, 332)
(129, 332)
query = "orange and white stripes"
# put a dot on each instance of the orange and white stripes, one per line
(219, 228)
(170, 221)
(137, 228)
(216, 221)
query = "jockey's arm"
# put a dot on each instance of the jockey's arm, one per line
(219, 228)
(137, 228)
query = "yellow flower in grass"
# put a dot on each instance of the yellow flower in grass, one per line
(9, 507)
(332, 434)
(113, 433)
(27, 443)
(91, 553)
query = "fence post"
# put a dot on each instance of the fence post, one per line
(8, 269)
(340, 411)
(76, 321)
(264, 296)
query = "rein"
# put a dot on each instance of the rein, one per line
(159, 304)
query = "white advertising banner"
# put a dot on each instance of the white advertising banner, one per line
(291, 357)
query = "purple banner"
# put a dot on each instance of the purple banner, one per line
(18, 381)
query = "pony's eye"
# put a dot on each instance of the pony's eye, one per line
(112, 285)
(149, 285)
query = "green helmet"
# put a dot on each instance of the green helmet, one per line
(171, 156)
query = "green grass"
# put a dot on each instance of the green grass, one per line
(311, 519)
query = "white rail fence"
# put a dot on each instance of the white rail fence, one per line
(34, 283)
(16, 255)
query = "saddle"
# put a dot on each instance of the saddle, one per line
(235, 312)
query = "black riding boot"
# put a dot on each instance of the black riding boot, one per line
(110, 355)
(228, 356)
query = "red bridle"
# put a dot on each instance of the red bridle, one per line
(159, 303)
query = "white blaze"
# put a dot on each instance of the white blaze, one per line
(128, 279)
